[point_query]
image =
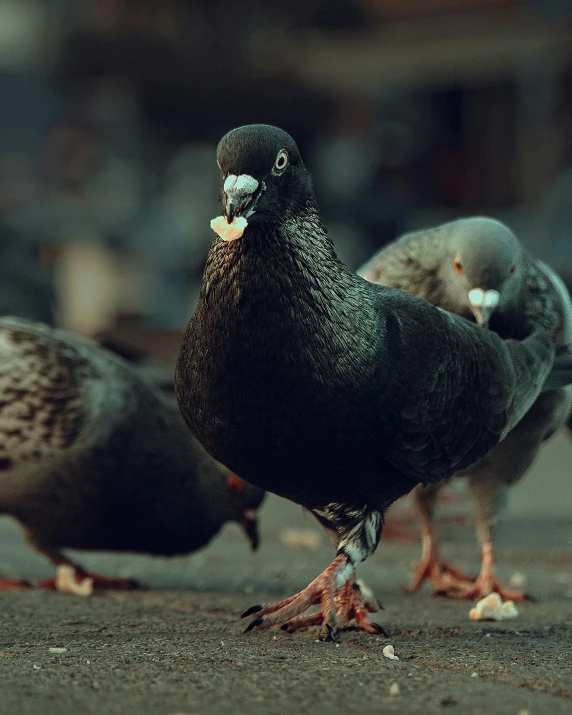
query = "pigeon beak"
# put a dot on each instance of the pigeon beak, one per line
(230, 211)
(249, 523)
(483, 304)
(239, 196)
(482, 316)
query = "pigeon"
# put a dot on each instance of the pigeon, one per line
(93, 456)
(317, 385)
(477, 268)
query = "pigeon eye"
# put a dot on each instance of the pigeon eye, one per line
(281, 161)
(512, 271)
(458, 265)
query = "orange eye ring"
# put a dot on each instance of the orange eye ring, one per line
(458, 265)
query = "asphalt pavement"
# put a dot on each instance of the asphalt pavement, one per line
(179, 647)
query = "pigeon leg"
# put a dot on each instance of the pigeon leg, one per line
(354, 597)
(306, 620)
(349, 604)
(71, 578)
(446, 579)
(322, 591)
(13, 584)
(339, 604)
(76, 580)
(340, 599)
(357, 602)
(486, 583)
(490, 492)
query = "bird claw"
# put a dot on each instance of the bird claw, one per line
(254, 623)
(339, 605)
(447, 581)
(251, 610)
(482, 588)
(332, 633)
(306, 620)
(379, 629)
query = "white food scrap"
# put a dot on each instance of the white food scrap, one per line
(389, 652)
(492, 608)
(57, 651)
(66, 582)
(394, 689)
(229, 231)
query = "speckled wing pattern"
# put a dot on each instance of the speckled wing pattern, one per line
(407, 264)
(41, 411)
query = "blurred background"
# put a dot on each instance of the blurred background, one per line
(408, 113)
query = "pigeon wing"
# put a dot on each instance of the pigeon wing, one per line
(461, 390)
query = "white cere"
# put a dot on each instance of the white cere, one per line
(484, 299)
(243, 183)
(492, 299)
(477, 297)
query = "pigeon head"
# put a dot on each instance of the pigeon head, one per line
(263, 174)
(483, 261)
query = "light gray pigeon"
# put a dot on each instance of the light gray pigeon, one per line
(335, 393)
(477, 268)
(95, 457)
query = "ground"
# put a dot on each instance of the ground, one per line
(179, 647)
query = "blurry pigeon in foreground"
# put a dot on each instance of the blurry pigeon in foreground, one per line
(477, 268)
(94, 457)
(335, 393)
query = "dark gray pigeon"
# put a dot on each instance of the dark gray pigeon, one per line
(95, 457)
(317, 385)
(477, 268)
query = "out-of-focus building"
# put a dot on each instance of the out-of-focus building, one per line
(408, 112)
